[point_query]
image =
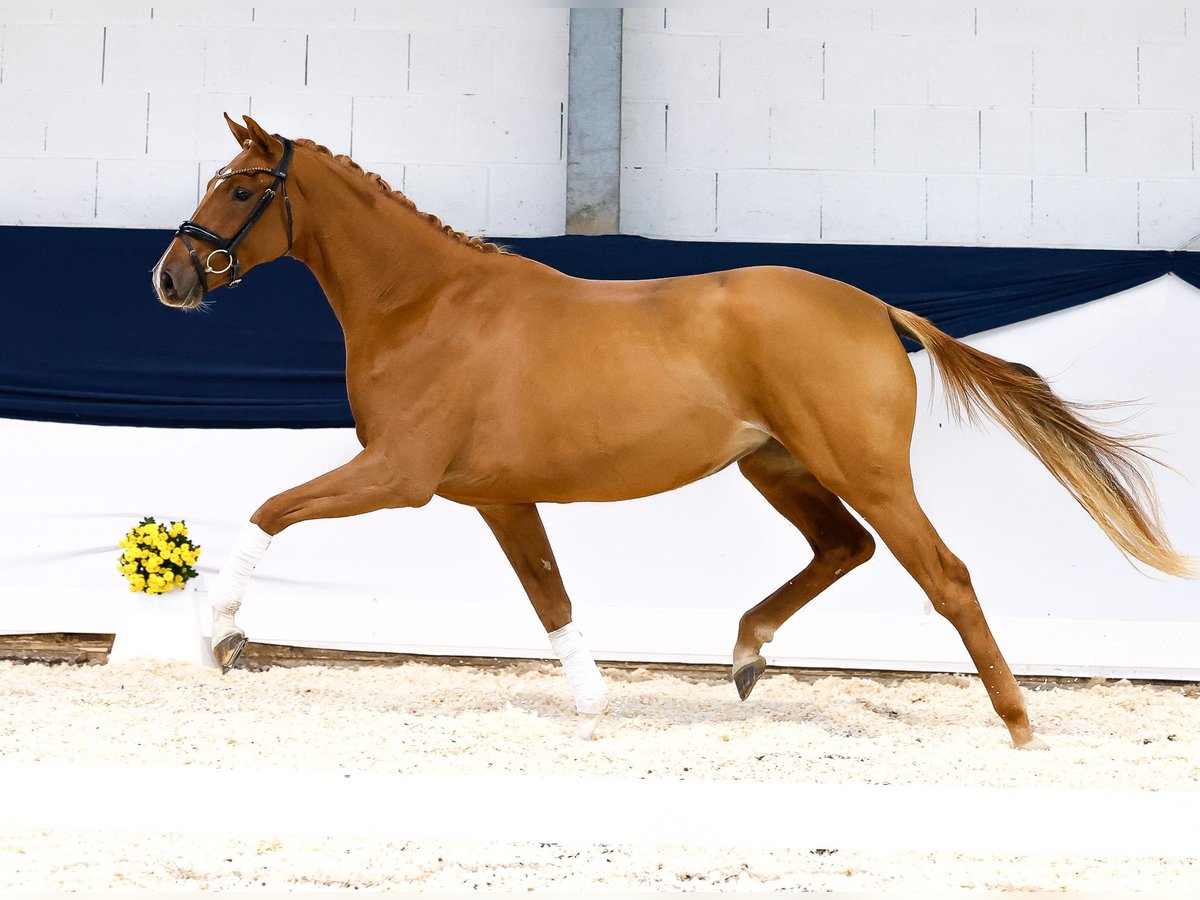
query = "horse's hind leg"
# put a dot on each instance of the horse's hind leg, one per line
(518, 528)
(838, 541)
(891, 508)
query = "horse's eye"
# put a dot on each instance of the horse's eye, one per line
(241, 194)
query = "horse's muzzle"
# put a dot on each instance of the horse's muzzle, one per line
(177, 285)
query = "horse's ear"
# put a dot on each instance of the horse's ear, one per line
(240, 132)
(260, 137)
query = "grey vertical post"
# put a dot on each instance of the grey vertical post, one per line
(594, 122)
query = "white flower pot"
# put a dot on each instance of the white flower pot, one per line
(165, 627)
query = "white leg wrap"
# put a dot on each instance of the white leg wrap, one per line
(591, 695)
(227, 590)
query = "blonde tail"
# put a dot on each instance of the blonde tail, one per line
(1107, 474)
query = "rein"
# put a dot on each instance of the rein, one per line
(228, 246)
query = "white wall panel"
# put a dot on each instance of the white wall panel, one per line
(931, 91)
(826, 136)
(34, 55)
(47, 191)
(526, 200)
(1092, 211)
(926, 139)
(110, 123)
(873, 208)
(147, 56)
(352, 61)
(1140, 142)
(393, 85)
(745, 127)
(145, 193)
(23, 113)
(770, 205)
(760, 67)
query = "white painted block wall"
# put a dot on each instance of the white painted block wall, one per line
(110, 111)
(1059, 126)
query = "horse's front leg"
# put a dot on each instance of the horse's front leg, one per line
(366, 483)
(519, 530)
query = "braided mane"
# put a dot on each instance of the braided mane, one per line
(477, 243)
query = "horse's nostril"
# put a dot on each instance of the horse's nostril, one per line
(168, 284)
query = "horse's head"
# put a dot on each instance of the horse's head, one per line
(244, 219)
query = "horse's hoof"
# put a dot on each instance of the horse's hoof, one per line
(586, 730)
(228, 649)
(1034, 743)
(747, 676)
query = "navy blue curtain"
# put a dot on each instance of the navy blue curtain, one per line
(82, 338)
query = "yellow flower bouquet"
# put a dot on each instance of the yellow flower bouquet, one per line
(158, 558)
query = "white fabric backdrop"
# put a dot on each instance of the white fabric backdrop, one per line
(661, 578)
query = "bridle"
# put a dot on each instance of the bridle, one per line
(228, 246)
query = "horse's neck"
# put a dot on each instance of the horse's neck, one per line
(374, 257)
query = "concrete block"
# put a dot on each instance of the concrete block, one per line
(769, 205)
(412, 16)
(1037, 141)
(187, 125)
(1085, 212)
(643, 18)
(451, 62)
(276, 63)
(977, 73)
(944, 21)
(531, 64)
(404, 129)
(1070, 22)
(873, 208)
(34, 54)
(770, 66)
(878, 70)
(669, 67)
(227, 12)
(822, 136)
(644, 134)
(104, 12)
(147, 57)
(1168, 73)
(1140, 142)
(96, 124)
(48, 191)
(458, 195)
(1169, 212)
(16, 12)
(23, 113)
(527, 200)
(966, 210)
(357, 61)
(144, 193)
(1085, 75)
(820, 21)
(679, 203)
(926, 139)
(323, 118)
(501, 130)
(718, 135)
(715, 19)
(315, 14)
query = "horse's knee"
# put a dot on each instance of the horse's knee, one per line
(270, 516)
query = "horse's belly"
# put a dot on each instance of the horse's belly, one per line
(575, 467)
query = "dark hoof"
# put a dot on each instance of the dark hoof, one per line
(747, 676)
(227, 650)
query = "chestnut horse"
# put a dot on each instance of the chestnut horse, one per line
(494, 381)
